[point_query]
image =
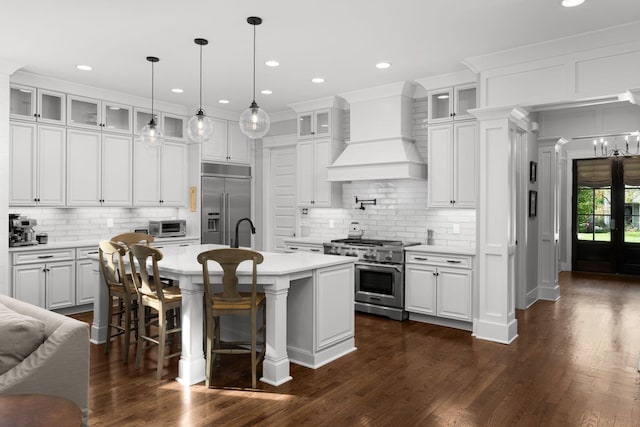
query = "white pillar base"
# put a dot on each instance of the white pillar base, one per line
(496, 332)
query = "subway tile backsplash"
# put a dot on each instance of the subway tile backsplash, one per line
(72, 224)
(401, 207)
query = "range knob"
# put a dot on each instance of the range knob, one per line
(389, 256)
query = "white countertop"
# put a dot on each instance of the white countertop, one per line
(460, 250)
(88, 243)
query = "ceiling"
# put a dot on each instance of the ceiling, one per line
(339, 40)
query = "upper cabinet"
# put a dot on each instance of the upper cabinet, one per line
(314, 124)
(228, 144)
(94, 114)
(160, 174)
(173, 127)
(41, 105)
(452, 103)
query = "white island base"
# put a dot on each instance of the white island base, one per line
(310, 311)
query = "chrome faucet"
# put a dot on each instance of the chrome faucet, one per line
(234, 244)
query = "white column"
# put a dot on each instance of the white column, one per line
(275, 367)
(549, 217)
(496, 212)
(6, 70)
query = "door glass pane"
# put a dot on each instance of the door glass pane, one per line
(322, 123)
(594, 200)
(466, 101)
(631, 200)
(143, 118)
(117, 117)
(21, 101)
(440, 105)
(173, 127)
(305, 125)
(51, 106)
(85, 113)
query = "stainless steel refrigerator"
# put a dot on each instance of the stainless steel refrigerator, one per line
(226, 198)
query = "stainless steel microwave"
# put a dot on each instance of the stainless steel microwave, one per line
(168, 228)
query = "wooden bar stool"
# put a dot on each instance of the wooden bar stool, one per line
(120, 287)
(233, 302)
(152, 294)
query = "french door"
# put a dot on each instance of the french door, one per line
(606, 215)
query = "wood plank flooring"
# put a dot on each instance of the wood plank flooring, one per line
(574, 363)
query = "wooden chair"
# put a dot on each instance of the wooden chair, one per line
(129, 239)
(123, 289)
(232, 302)
(152, 294)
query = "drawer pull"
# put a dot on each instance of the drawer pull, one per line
(92, 253)
(315, 250)
(453, 261)
(419, 258)
(44, 256)
(293, 249)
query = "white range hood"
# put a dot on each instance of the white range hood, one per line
(381, 146)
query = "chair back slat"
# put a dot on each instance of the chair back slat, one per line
(148, 283)
(128, 239)
(112, 266)
(229, 259)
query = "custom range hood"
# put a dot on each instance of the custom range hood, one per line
(381, 146)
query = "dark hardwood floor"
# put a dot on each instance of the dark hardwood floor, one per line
(574, 363)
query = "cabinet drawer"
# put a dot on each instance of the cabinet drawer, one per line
(83, 253)
(304, 247)
(460, 261)
(43, 256)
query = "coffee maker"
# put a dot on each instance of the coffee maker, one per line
(21, 231)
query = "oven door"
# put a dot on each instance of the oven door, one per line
(380, 284)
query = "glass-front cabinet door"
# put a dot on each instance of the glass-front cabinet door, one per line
(142, 117)
(23, 102)
(465, 100)
(83, 112)
(440, 108)
(173, 126)
(322, 123)
(116, 117)
(305, 125)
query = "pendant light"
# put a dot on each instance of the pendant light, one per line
(200, 127)
(151, 133)
(254, 121)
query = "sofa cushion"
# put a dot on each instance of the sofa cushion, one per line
(20, 336)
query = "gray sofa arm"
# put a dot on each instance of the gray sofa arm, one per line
(60, 366)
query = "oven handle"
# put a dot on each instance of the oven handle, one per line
(398, 268)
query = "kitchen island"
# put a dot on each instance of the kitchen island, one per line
(310, 312)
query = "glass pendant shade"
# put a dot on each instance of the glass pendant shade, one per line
(151, 134)
(200, 127)
(254, 122)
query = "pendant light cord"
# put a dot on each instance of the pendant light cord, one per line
(152, 66)
(200, 77)
(254, 63)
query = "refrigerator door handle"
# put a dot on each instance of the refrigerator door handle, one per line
(224, 231)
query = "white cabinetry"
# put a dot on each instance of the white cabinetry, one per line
(291, 246)
(41, 105)
(228, 144)
(314, 155)
(87, 279)
(159, 174)
(452, 165)
(45, 278)
(95, 114)
(439, 288)
(99, 169)
(36, 165)
(315, 124)
(451, 103)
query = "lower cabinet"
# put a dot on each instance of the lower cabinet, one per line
(440, 285)
(87, 279)
(49, 285)
(290, 246)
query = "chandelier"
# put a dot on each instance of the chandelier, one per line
(607, 145)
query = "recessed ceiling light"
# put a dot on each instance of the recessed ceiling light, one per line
(177, 90)
(572, 3)
(266, 92)
(317, 80)
(383, 65)
(272, 63)
(84, 67)
(223, 101)
(444, 96)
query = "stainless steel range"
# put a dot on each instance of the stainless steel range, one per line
(379, 274)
